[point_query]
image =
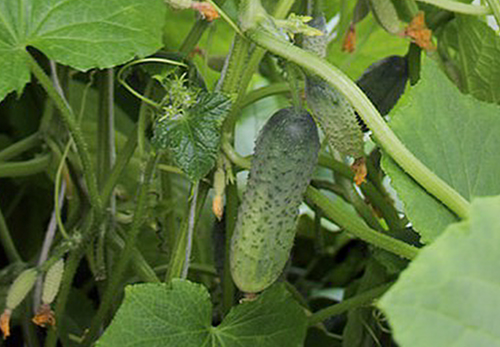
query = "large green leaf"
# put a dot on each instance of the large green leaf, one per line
(478, 48)
(84, 34)
(193, 135)
(450, 294)
(180, 314)
(456, 136)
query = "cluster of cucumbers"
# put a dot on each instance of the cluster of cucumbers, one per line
(285, 155)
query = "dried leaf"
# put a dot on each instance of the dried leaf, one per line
(359, 168)
(349, 44)
(419, 33)
(5, 323)
(206, 10)
(44, 316)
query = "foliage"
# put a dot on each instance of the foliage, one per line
(107, 166)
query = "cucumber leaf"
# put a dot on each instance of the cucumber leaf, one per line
(193, 134)
(478, 48)
(453, 134)
(180, 314)
(83, 34)
(450, 294)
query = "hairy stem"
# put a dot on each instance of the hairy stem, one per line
(123, 258)
(71, 123)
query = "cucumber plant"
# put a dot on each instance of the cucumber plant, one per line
(189, 161)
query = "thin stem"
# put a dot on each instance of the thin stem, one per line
(459, 7)
(21, 146)
(231, 214)
(177, 259)
(57, 187)
(8, 244)
(70, 121)
(234, 157)
(124, 83)
(105, 126)
(266, 91)
(193, 37)
(171, 169)
(122, 160)
(495, 7)
(351, 223)
(123, 258)
(138, 262)
(344, 306)
(48, 241)
(25, 168)
(226, 18)
(190, 229)
(384, 136)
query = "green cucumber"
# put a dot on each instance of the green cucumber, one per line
(334, 114)
(285, 155)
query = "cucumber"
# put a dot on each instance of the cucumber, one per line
(334, 114)
(286, 153)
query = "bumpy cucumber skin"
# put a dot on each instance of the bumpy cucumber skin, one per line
(332, 111)
(316, 44)
(335, 116)
(285, 155)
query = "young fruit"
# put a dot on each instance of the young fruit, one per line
(286, 152)
(20, 288)
(52, 282)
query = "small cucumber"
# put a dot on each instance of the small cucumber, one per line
(335, 116)
(285, 155)
(21, 286)
(52, 282)
(332, 111)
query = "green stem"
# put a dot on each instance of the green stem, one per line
(190, 229)
(138, 262)
(8, 244)
(280, 11)
(458, 7)
(193, 37)
(345, 219)
(105, 127)
(368, 188)
(19, 147)
(122, 160)
(344, 306)
(70, 121)
(235, 65)
(234, 157)
(122, 261)
(381, 131)
(495, 7)
(25, 168)
(231, 214)
(264, 92)
(177, 260)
